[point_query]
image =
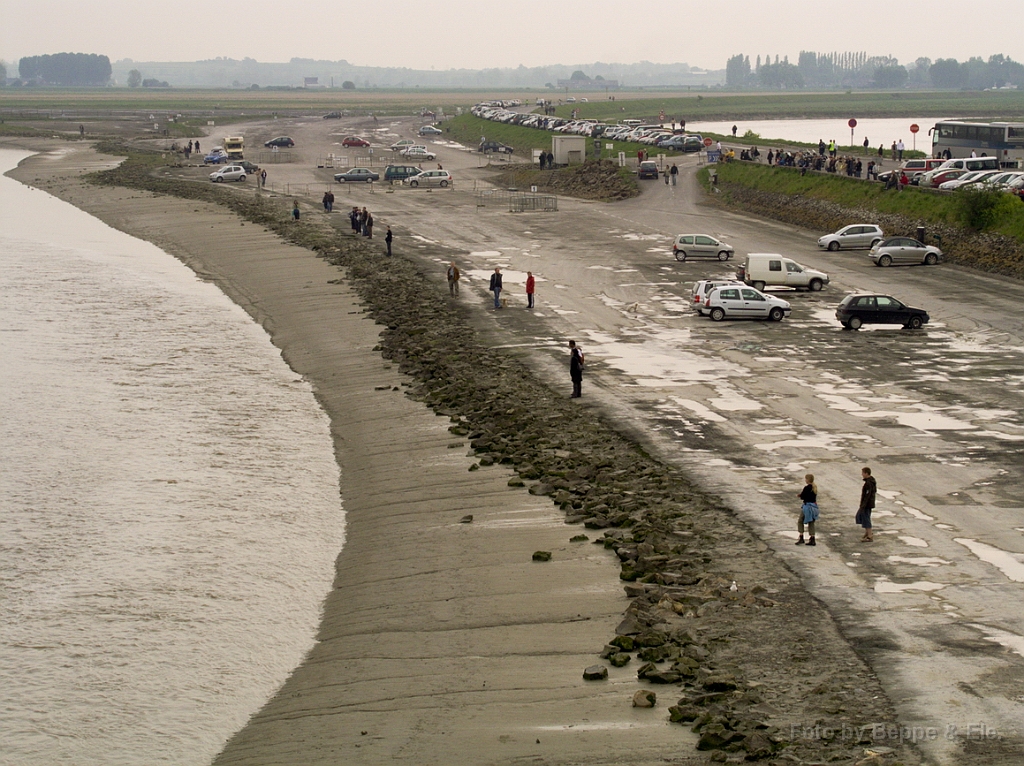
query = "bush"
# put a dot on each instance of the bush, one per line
(979, 208)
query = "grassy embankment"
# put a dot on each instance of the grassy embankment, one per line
(916, 204)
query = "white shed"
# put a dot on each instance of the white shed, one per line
(569, 150)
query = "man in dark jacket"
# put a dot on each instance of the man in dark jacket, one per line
(496, 287)
(576, 369)
(867, 503)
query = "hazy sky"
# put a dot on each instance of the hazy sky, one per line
(477, 34)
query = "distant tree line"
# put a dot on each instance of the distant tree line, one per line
(66, 69)
(858, 70)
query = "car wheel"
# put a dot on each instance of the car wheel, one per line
(414, 184)
(241, 178)
(931, 259)
(680, 255)
(914, 323)
(854, 323)
(885, 260)
(717, 314)
(759, 286)
(776, 314)
(724, 255)
(444, 184)
(875, 242)
(833, 246)
(369, 180)
(219, 179)
(815, 285)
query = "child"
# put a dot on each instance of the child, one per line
(809, 510)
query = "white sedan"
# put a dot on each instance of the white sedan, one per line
(418, 153)
(228, 173)
(740, 302)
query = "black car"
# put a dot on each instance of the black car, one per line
(863, 308)
(332, 116)
(249, 167)
(280, 141)
(494, 146)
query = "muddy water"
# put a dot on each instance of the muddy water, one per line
(169, 508)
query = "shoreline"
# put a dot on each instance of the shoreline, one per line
(414, 647)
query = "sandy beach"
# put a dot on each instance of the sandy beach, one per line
(442, 642)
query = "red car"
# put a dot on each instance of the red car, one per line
(355, 141)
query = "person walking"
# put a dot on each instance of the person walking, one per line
(673, 172)
(453, 278)
(530, 284)
(576, 369)
(808, 511)
(867, 503)
(496, 287)
(387, 239)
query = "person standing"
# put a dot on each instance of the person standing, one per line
(821, 148)
(530, 284)
(673, 172)
(867, 503)
(198, 150)
(576, 369)
(295, 211)
(496, 287)
(327, 202)
(387, 239)
(369, 224)
(899, 148)
(453, 278)
(353, 217)
(263, 178)
(866, 145)
(809, 510)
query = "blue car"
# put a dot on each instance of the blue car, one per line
(216, 157)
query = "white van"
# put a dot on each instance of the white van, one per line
(971, 163)
(773, 270)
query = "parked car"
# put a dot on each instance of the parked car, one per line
(854, 235)
(394, 173)
(440, 178)
(494, 146)
(741, 302)
(418, 153)
(916, 168)
(280, 141)
(364, 175)
(974, 177)
(354, 141)
(405, 143)
(861, 308)
(701, 246)
(702, 287)
(430, 130)
(248, 167)
(228, 173)
(904, 250)
(647, 169)
(773, 270)
(332, 116)
(217, 157)
(939, 176)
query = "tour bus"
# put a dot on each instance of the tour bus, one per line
(235, 147)
(1002, 140)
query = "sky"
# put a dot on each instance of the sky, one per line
(475, 34)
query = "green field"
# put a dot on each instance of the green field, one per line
(914, 203)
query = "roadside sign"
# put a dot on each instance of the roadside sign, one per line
(914, 128)
(852, 123)
(708, 142)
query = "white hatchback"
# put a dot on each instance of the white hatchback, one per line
(741, 302)
(440, 178)
(228, 173)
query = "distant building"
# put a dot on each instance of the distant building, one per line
(311, 82)
(588, 84)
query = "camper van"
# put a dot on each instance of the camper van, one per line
(773, 270)
(235, 147)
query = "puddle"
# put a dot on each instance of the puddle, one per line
(885, 586)
(915, 542)
(922, 421)
(1009, 564)
(700, 410)
(487, 253)
(1011, 641)
(920, 561)
(918, 514)
(659, 360)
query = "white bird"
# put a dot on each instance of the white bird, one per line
(733, 587)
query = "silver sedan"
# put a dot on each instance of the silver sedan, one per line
(904, 250)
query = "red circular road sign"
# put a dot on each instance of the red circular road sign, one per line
(914, 128)
(708, 142)
(852, 123)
